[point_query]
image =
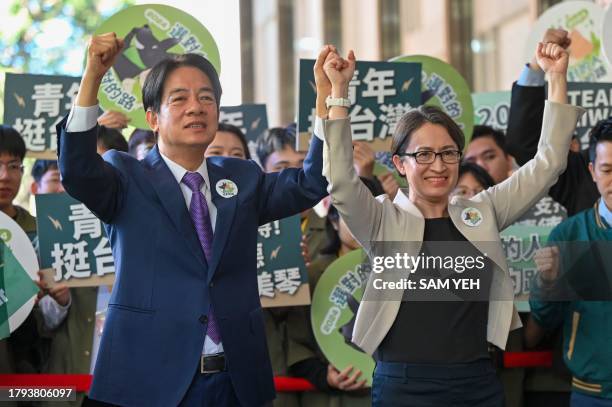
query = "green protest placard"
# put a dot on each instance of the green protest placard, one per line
(492, 109)
(380, 93)
(151, 33)
(72, 242)
(18, 268)
(596, 98)
(606, 35)
(444, 87)
(522, 239)
(282, 277)
(584, 21)
(34, 105)
(251, 119)
(334, 305)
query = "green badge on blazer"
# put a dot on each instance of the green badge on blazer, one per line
(471, 216)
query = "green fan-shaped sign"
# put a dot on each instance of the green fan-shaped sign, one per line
(18, 268)
(333, 309)
(444, 87)
(151, 33)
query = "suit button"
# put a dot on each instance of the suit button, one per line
(203, 319)
(89, 319)
(211, 285)
(86, 353)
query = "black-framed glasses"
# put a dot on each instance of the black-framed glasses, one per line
(428, 157)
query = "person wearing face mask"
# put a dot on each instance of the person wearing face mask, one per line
(436, 352)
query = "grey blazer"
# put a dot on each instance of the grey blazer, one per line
(381, 220)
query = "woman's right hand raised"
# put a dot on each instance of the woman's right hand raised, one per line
(340, 72)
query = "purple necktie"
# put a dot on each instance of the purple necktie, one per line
(198, 209)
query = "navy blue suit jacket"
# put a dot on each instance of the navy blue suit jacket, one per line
(156, 321)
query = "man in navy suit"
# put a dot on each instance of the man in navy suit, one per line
(184, 323)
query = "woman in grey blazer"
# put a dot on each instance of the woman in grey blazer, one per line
(435, 353)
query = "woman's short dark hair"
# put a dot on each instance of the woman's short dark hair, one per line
(230, 128)
(153, 88)
(600, 133)
(416, 118)
(480, 174)
(11, 142)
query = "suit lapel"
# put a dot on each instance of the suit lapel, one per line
(171, 197)
(477, 235)
(226, 207)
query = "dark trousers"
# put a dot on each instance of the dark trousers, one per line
(210, 390)
(206, 390)
(447, 385)
(584, 400)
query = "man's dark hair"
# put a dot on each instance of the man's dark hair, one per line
(229, 128)
(498, 136)
(40, 168)
(415, 119)
(153, 88)
(271, 140)
(138, 137)
(480, 174)
(600, 133)
(11, 142)
(112, 139)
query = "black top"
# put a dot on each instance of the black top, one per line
(441, 331)
(575, 189)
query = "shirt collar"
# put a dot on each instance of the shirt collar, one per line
(179, 172)
(605, 212)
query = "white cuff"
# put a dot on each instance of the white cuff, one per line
(82, 118)
(319, 129)
(53, 313)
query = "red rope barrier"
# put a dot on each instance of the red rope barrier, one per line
(283, 384)
(82, 382)
(528, 359)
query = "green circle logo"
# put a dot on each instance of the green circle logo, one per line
(5, 235)
(151, 33)
(444, 87)
(586, 26)
(333, 309)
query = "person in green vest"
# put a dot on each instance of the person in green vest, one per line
(572, 288)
